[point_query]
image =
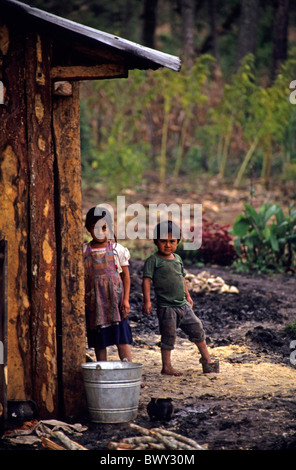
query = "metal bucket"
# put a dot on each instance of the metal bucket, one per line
(112, 390)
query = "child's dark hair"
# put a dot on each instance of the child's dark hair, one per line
(164, 228)
(97, 213)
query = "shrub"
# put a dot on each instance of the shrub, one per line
(265, 240)
(217, 246)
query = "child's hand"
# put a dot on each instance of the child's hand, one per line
(125, 308)
(147, 306)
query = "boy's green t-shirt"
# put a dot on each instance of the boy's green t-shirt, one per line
(168, 280)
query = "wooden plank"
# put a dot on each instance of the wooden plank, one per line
(71, 332)
(69, 443)
(88, 72)
(3, 332)
(14, 172)
(50, 445)
(42, 225)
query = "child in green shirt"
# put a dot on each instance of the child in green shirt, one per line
(174, 304)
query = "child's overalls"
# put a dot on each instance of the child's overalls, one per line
(103, 289)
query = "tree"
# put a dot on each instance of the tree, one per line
(247, 38)
(188, 17)
(280, 33)
(149, 22)
(213, 20)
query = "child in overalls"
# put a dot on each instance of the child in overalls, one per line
(107, 288)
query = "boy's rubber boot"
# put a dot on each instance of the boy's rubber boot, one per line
(208, 367)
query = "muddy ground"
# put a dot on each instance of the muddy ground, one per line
(250, 404)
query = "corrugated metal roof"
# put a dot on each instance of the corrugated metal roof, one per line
(153, 58)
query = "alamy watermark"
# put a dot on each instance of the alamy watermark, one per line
(293, 93)
(137, 221)
(293, 353)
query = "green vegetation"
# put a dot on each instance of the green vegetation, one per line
(265, 240)
(227, 111)
(291, 328)
(262, 241)
(179, 123)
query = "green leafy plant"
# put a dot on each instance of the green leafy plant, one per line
(188, 123)
(291, 328)
(181, 95)
(233, 110)
(119, 166)
(265, 240)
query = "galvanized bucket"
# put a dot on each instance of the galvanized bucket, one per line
(112, 390)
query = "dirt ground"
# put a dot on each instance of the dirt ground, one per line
(250, 404)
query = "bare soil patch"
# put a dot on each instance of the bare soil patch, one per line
(250, 404)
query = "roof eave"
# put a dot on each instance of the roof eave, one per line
(148, 58)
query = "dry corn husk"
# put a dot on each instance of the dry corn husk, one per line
(156, 438)
(206, 282)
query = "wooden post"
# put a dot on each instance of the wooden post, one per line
(3, 333)
(14, 210)
(71, 323)
(42, 225)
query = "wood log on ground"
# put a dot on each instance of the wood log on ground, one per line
(181, 438)
(142, 430)
(156, 446)
(166, 439)
(155, 438)
(50, 445)
(168, 442)
(138, 439)
(71, 445)
(119, 446)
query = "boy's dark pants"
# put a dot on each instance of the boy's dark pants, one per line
(171, 318)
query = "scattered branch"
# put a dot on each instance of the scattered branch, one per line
(50, 445)
(71, 445)
(155, 438)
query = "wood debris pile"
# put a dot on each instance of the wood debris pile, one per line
(68, 443)
(35, 432)
(156, 438)
(206, 282)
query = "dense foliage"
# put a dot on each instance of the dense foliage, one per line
(265, 240)
(183, 123)
(227, 111)
(217, 246)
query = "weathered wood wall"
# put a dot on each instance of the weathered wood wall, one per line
(14, 204)
(42, 265)
(3, 334)
(40, 217)
(71, 328)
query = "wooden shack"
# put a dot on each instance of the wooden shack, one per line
(42, 59)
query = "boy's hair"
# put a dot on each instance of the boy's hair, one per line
(164, 228)
(97, 213)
